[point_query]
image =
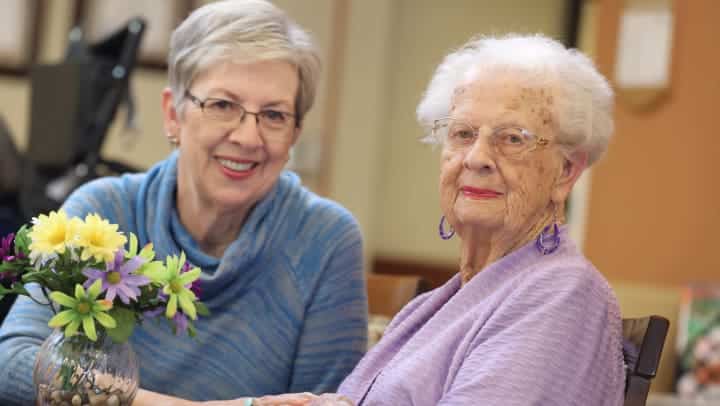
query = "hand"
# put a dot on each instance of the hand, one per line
(288, 399)
(303, 399)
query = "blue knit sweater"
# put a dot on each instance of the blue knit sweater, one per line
(287, 298)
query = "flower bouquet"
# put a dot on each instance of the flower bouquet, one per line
(98, 291)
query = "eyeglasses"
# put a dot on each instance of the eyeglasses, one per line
(511, 141)
(274, 122)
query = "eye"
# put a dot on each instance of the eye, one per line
(462, 133)
(512, 137)
(274, 116)
(220, 105)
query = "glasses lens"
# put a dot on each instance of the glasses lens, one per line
(460, 134)
(512, 140)
(222, 110)
(275, 120)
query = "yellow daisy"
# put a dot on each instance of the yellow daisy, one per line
(52, 233)
(99, 239)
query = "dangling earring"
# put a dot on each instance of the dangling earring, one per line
(173, 140)
(549, 240)
(441, 230)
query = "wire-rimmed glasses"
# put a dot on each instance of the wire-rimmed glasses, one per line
(511, 141)
(272, 122)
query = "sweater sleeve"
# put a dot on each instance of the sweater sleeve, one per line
(334, 333)
(21, 335)
(556, 342)
(25, 327)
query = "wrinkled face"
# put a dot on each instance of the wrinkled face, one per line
(483, 189)
(232, 165)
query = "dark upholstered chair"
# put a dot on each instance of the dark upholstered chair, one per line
(644, 339)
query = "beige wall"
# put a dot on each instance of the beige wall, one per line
(387, 54)
(407, 207)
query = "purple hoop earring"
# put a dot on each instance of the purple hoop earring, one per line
(547, 242)
(441, 230)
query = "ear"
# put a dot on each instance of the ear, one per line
(171, 117)
(572, 168)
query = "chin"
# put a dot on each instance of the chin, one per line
(469, 214)
(230, 199)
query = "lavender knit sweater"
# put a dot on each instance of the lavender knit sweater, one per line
(527, 330)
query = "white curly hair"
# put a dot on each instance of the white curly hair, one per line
(583, 103)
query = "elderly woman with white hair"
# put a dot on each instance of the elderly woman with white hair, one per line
(281, 267)
(527, 320)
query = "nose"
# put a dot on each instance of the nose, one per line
(480, 157)
(246, 132)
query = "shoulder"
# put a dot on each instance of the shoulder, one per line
(318, 217)
(108, 196)
(567, 285)
(568, 272)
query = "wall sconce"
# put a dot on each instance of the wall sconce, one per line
(644, 53)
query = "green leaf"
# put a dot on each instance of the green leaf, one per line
(189, 276)
(202, 310)
(187, 305)
(171, 306)
(148, 252)
(63, 318)
(133, 247)
(63, 299)
(154, 270)
(94, 290)
(22, 240)
(88, 325)
(125, 323)
(72, 328)
(105, 319)
(79, 291)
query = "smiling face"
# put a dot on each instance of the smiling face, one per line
(482, 189)
(232, 165)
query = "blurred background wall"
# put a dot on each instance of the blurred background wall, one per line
(651, 208)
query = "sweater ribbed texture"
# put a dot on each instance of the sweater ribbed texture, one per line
(527, 330)
(287, 298)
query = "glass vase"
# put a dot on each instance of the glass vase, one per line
(77, 371)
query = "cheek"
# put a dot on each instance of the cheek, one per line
(278, 153)
(530, 190)
(450, 168)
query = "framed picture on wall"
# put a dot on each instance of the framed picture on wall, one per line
(19, 34)
(98, 18)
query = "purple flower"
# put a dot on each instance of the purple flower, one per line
(6, 247)
(195, 285)
(180, 319)
(154, 312)
(117, 281)
(6, 251)
(181, 323)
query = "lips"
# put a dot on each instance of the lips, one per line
(238, 166)
(236, 169)
(479, 193)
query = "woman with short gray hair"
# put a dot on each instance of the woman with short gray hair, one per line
(527, 319)
(281, 267)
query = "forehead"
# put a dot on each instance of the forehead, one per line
(263, 81)
(492, 99)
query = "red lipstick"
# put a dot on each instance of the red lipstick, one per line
(478, 193)
(237, 174)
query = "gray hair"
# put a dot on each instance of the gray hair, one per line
(242, 31)
(583, 104)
